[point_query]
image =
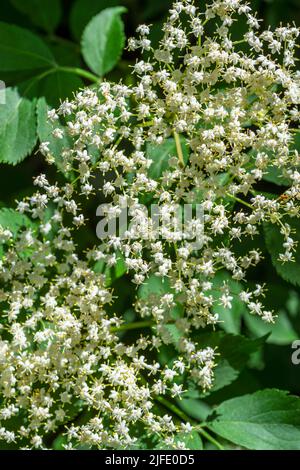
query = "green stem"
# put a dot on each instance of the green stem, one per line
(80, 72)
(241, 41)
(170, 406)
(145, 124)
(76, 70)
(175, 410)
(239, 200)
(210, 438)
(133, 326)
(37, 79)
(178, 148)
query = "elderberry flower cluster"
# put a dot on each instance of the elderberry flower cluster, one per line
(232, 117)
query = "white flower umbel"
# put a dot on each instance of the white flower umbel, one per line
(63, 364)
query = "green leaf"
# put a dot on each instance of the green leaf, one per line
(111, 273)
(13, 220)
(154, 287)
(293, 303)
(103, 40)
(22, 50)
(45, 14)
(265, 420)
(194, 408)
(44, 130)
(230, 317)
(234, 353)
(161, 154)
(281, 332)
(58, 86)
(151, 290)
(59, 442)
(171, 334)
(191, 440)
(17, 126)
(274, 175)
(289, 271)
(84, 10)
